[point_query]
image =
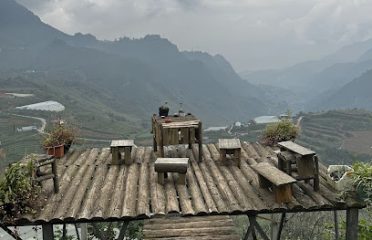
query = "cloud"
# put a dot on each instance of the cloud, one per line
(250, 33)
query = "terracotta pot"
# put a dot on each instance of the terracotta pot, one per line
(56, 151)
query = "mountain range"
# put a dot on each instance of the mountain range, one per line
(313, 83)
(137, 74)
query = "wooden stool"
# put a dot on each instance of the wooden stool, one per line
(229, 146)
(178, 165)
(305, 161)
(269, 176)
(121, 146)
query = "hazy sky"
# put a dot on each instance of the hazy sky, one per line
(251, 34)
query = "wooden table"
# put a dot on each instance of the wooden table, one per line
(173, 130)
(305, 159)
(121, 146)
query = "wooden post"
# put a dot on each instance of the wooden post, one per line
(161, 141)
(336, 224)
(281, 224)
(274, 227)
(115, 155)
(10, 232)
(48, 231)
(161, 177)
(352, 223)
(189, 137)
(123, 229)
(84, 231)
(154, 144)
(55, 176)
(316, 173)
(127, 155)
(200, 138)
(181, 178)
(77, 231)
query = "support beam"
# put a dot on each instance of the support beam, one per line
(281, 224)
(97, 231)
(252, 220)
(123, 229)
(77, 231)
(274, 227)
(48, 231)
(335, 217)
(84, 231)
(253, 226)
(352, 223)
(10, 232)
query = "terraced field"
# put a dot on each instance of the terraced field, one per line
(16, 144)
(335, 135)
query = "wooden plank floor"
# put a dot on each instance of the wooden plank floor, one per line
(196, 228)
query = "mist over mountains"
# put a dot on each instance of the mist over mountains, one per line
(140, 74)
(135, 76)
(320, 84)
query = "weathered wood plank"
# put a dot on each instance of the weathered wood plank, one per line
(229, 143)
(143, 207)
(294, 147)
(70, 194)
(234, 186)
(211, 184)
(220, 181)
(106, 191)
(156, 191)
(273, 174)
(130, 196)
(115, 207)
(93, 193)
(210, 206)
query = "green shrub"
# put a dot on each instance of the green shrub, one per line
(17, 190)
(284, 130)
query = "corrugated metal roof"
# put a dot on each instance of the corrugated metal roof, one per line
(91, 189)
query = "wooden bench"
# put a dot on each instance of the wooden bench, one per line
(178, 165)
(298, 161)
(229, 146)
(270, 176)
(121, 146)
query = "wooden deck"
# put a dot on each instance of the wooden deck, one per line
(196, 228)
(91, 189)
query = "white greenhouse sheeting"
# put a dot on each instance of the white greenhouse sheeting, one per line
(266, 119)
(52, 106)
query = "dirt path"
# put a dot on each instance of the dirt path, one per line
(42, 120)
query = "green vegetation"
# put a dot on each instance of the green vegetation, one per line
(60, 134)
(284, 130)
(17, 190)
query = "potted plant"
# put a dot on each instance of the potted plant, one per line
(58, 141)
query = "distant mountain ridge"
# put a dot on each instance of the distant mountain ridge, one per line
(312, 79)
(139, 73)
(356, 94)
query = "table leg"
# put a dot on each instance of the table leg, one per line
(161, 142)
(200, 140)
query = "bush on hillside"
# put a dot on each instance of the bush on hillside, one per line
(17, 190)
(284, 130)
